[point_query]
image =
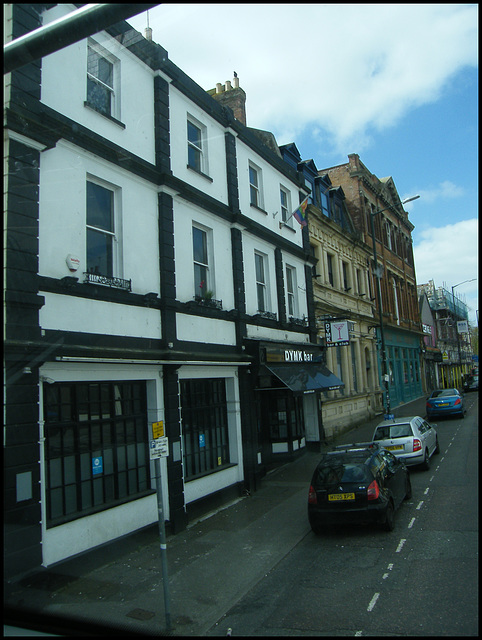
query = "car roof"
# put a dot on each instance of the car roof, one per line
(359, 452)
(402, 420)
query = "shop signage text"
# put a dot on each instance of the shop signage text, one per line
(292, 355)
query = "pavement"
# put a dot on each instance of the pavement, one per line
(118, 589)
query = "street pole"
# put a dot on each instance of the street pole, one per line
(380, 315)
(385, 376)
(163, 546)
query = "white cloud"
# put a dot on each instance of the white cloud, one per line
(442, 191)
(449, 256)
(347, 68)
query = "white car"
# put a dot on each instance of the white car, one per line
(411, 439)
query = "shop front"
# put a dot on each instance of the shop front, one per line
(288, 380)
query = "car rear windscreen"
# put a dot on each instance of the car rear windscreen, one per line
(339, 473)
(393, 431)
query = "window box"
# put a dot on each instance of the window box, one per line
(108, 281)
(268, 315)
(209, 302)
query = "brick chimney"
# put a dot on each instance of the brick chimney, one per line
(231, 96)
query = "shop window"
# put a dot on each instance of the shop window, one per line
(204, 426)
(96, 447)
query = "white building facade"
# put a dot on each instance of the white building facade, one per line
(148, 281)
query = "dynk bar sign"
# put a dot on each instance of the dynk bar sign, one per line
(336, 333)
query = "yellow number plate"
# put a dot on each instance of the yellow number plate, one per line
(333, 497)
(395, 447)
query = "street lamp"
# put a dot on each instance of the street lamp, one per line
(455, 321)
(385, 375)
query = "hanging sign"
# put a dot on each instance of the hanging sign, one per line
(336, 333)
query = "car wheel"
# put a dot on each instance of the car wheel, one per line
(437, 446)
(408, 488)
(315, 526)
(426, 461)
(390, 518)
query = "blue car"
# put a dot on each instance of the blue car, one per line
(445, 402)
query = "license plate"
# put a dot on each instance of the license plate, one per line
(443, 404)
(395, 447)
(333, 497)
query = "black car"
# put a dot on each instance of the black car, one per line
(357, 483)
(472, 383)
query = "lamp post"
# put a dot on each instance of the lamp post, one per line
(455, 324)
(385, 375)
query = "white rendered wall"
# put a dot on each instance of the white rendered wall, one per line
(64, 171)
(64, 88)
(70, 313)
(221, 255)
(207, 330)
(180, 108)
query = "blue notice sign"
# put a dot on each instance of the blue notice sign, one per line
(97, 466)
(202, 442)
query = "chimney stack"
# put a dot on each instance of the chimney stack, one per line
(231, 96)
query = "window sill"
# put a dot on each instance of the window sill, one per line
(200, 173)
(111, 118)
(255, 206)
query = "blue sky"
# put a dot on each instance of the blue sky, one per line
(395, 83)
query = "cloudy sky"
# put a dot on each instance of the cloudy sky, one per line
(395, 83)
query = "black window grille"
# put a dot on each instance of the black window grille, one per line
(96, 447)
(204, 426)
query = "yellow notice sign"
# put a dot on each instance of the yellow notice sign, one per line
(157, 430)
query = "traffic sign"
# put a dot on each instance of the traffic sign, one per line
(159, 448)
(158, 429)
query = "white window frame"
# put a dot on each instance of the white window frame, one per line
(291, 292)
(116, 233)
(113, 90)
(209, 284)
(285, 206)
(256, 188)
(262, 285)
(198, 149)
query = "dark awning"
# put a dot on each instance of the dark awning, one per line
(306, 376)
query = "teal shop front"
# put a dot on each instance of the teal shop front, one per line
(403, 359)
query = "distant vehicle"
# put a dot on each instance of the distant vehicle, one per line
(445, 402)
(472, 383)
(410, 439)
(357, 483)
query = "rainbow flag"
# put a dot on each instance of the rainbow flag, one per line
(300, 213)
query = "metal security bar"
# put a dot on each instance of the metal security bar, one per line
(74, 27)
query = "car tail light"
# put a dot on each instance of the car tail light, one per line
(312, 499)
(417, 445)
(458, 401)
(373, 491)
